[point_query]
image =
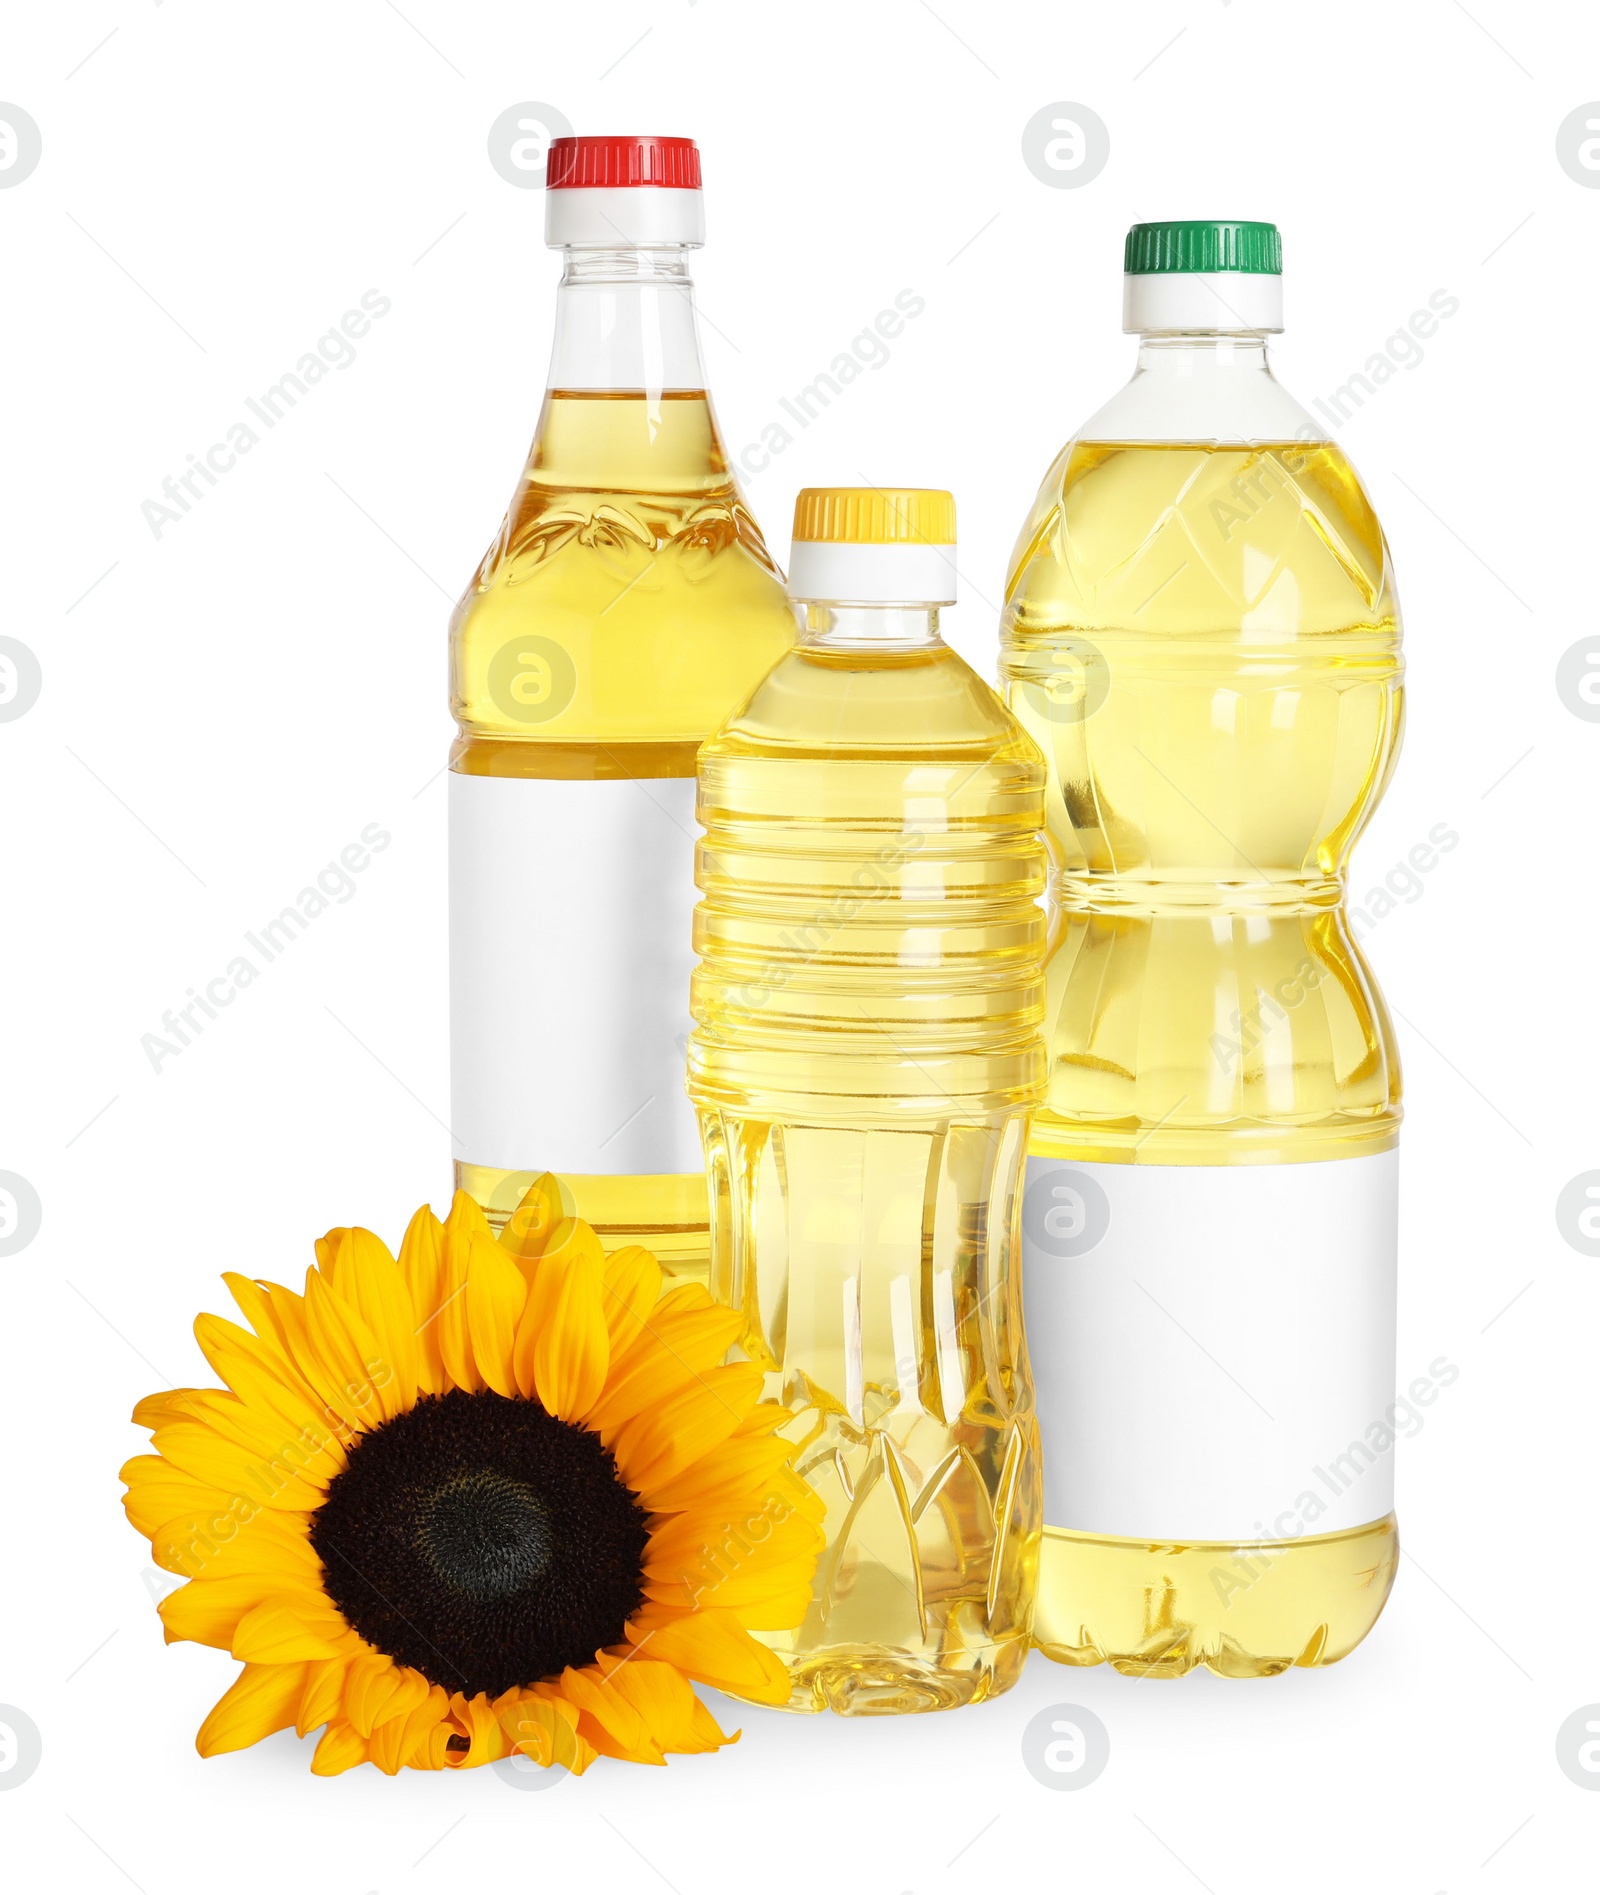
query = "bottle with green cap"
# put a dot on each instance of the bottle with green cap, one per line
(865, 1055)
(1201, 633)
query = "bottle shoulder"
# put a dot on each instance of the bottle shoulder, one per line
(1238, 405)
(553, 537)
(629, 598)
(899, 702)
(617, 617)
(1258, 540)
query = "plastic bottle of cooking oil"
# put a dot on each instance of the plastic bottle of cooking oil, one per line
(1201, 633)
(626, 607)
(866, 1053)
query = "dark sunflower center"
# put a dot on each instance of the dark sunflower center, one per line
(482, 1542)
(488, 1535)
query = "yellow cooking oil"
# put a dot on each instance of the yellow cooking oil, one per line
(865, 1055)
(1202, 638)
(626, 605)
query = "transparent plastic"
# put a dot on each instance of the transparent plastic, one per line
(865, 1055)
(1201, 634)
(628, 545)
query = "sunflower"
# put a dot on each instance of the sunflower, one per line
(497, 1496)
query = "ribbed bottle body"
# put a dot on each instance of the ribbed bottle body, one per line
(865, 1057)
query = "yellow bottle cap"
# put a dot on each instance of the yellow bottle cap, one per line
(874, 546)
(875, 516)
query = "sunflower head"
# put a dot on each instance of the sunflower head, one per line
(494, 1496)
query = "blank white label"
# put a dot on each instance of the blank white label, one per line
(571, 916)
(1213, 1347)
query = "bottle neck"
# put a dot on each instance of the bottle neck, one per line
(1202, 385)
(625, 319)
(827, 625)
(1202, 352)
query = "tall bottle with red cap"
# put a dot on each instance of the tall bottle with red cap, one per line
(626, 605)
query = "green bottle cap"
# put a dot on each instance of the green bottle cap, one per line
(1201, 248)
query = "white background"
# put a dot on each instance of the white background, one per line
(225, 707)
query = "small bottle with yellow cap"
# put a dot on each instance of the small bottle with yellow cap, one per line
(866, 1053)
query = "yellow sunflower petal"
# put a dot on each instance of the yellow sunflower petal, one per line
(562, 1350)
(496, 1293)
(676, 1319)
(323, 1693)
(710, 1734)
(422, 1266)
(327, 1244)
(672, 1352)
(397, 1742)
(716, 1649)
(466, 1215)
(395, 1692)
(210, 1611)
(780, 1611)
(688, 1324)
(339, 1749)
(157, 1492)
(150, 1470)
(685, 1299)
(650, 1382)
(259, 1310)
(156, 1411)
(606, 1719)
(285, 1316)
(543, 1725)
(369, 1386)
(370, 1281)
(464, 1223)
(633, 1288)
(373, 1688)
(312, 1450)
(427, 1732)
(664, 1698)
(657, 1446)
(529, 1226)
(261, 1700)
(763, 1555)
(201, 1453)
(769, 1523)
(759, 1535)
(474, 1720)
(286, 1627)
(257, 1374)
(741, 1466)
(758, 1595)
(216, 1544)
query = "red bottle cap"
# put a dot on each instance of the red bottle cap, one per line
(611, 164)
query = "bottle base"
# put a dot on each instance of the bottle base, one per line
(665, 1213)
(868, 1681)
(1159, 1610)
